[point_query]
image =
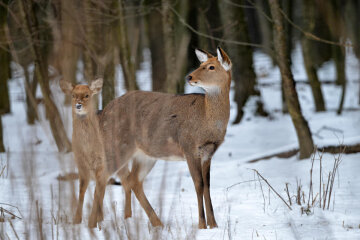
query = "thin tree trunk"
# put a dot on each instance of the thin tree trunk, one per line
(2, 147)
(213, 24)
(192, 19)
(4, 62)
(69, 52)
(243, 71)
(309, 25)
(156, 45)
(169, 46)
(339, 59)
(301, 126)
(266, 28)
(41, 69)
(108, 90)
(128, 66)
(30, 91)
(287, 8)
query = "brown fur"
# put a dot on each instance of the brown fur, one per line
(88, 148)
(145, 126)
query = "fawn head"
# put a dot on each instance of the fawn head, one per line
(214, 72)
(82, 95)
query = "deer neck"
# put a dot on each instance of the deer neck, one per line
(217, 107)
(88, 119)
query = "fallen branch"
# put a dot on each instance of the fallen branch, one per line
(328, 149)
(259, 175)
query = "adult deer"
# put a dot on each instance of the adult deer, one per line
(146, 126)
(88, 147)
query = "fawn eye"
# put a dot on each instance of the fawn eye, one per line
(73, 96)
(87, 96)
(211, 67)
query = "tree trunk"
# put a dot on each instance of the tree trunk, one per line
(192, 19)
(266, 29)
(2, 147)
(301, 126)
(108, 90)
(156, 45)
(30, 91)
(243, 71)
(169, 46)
(41, 68)
(4, 62)
(128, 65)
(339, 59)
(213, 24)
(69, 52)
(309, 9)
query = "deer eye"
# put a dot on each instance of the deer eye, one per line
(87, 96)
(211, 67)
(73, 96)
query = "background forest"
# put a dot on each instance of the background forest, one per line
(311, 50)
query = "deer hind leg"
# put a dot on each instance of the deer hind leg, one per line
(83, 182)
(97, 209)
(206, 153)
(140, 169)
(195, 171)
(124, 175)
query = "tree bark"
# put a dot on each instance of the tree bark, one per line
(30, 91)
(301, 126)
(156, 45)
(128, 65)
(243, 71)
(309, 9)
(69, 51)
(169, 46)
(213, 23)
(41, 68)
(4, 62)
(2, 147)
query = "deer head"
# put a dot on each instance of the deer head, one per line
(82, 95)
(213, 73)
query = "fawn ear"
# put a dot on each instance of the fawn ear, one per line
(96, 86)
(202, 55)
(224, 59)
(66, 86)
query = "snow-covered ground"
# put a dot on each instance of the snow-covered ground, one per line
(244, 208)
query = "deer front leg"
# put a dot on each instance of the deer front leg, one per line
(83, 184)
(209, 208)
(97, 208)
(195, 171)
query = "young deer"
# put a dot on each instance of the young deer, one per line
(88, 147)
(146, 126)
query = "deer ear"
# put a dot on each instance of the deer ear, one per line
(202, 55)
(66, 86)
(224, 59)
(96, 86)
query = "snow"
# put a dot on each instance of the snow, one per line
(243, 208)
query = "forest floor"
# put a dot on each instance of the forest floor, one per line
(245, 207)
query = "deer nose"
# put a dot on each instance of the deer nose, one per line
(78, 106)
(189, 77)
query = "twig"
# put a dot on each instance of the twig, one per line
(212, 37)
(287, 192)
(235, 184)
(256, 171)
(10, 213)
(312, 36)
(262, 192)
